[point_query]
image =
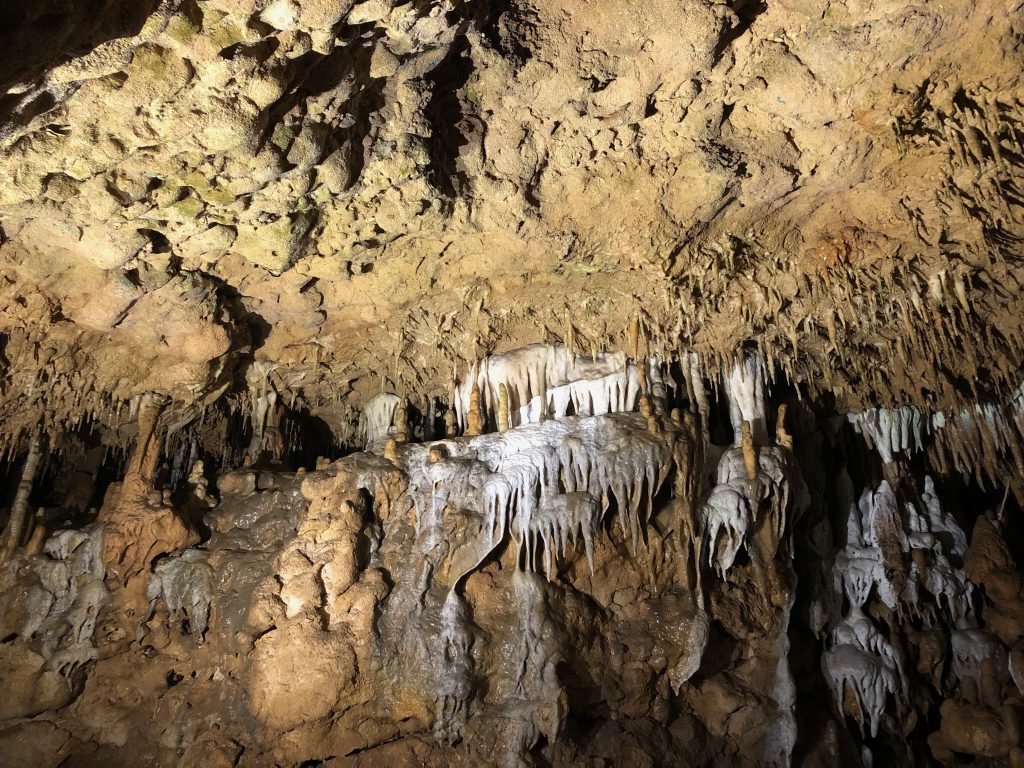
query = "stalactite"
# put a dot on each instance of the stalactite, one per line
(377, 417)
(474, 417)
(20, 508)
(503, 411)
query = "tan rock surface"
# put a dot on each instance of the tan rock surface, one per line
(400, 381)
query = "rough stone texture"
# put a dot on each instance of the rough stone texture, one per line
(242, 239)
(354, 191)
(363, 612)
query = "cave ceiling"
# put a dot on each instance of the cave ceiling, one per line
(339, 198)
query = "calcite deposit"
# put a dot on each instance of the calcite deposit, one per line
(519, 383)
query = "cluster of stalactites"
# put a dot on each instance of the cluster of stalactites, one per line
(539, 381)
(377, 417)
(531, 476)
(754, 477)
(986, 440)
(891, 430)
(900, 556)
(605, 458)
(744, 389)
(820, 326)
(534, 383)
(46, 391)
(549, 485)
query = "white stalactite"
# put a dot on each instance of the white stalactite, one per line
(377, 417)
(549, 375)
(744, 387)
(548, 484)
(891, 430)
(876, 563)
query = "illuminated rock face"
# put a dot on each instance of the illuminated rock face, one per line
(654, 370)
(328, 199)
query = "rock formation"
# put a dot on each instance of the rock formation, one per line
(540, 382)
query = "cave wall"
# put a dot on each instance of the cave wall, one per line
(601, 581)
(511, 382)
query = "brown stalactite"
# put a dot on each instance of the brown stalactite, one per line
(20, 507)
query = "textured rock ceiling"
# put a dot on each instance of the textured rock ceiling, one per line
(241, 237)
(353, 192)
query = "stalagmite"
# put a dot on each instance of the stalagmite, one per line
(782, 436)
(749, 451)
(265, 414)
(451, 426)
(402, 421)
(138, 526)
(874, 567)
(38, 537)
(503, 412)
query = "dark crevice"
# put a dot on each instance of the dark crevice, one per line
(317, 74)
(506, 28)
(158, 240)
(444, 112)
(37, 36)
(746, 12)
